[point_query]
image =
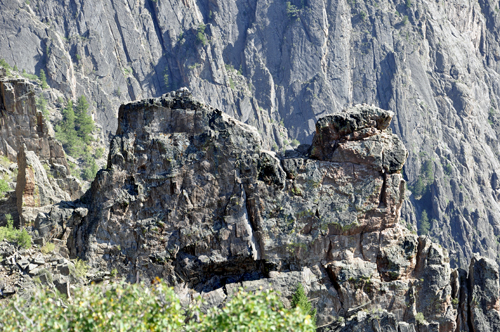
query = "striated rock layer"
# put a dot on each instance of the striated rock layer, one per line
(190, 195)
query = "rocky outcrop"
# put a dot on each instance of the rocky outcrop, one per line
(45, 264)
(21, 123)
(280, 67)
(43, 176)
(190, 195)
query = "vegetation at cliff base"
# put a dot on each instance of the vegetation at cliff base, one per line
(136, 307)
(4, 187)
(74, 132)
(20, 236)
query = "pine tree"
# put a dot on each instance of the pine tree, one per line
(43, 78)
(83, 121)
(66, 130)
(299, 299)
(424, 223)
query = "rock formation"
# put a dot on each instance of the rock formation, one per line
(190, 195)
(280, 65)
(43, 175)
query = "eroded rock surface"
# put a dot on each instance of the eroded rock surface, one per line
(190, 195)
(43, 176)
(280, 68)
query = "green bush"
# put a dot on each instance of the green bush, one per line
(7, 67)
(80, 269)
(419, 317)
(133, 307)
(9, 233)
(424, 223)
(200, 35)
(292, 11)
(43, 78)
(48, 247)
(448, 169)
(4, 187)
(74, 132)
(41, 104)
(29, 76)
(301, 301)
(261, 311)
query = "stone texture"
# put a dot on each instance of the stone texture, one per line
(435, 64)
(190, 195)
(484, 301)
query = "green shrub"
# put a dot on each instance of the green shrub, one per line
(29, 76)
(4, 187)
(48, 247)
(80, 268)
(9, 233)
(41, 104)
(424, 223)
(24, 239)
(7, 67)
(200, 35)
(74, 131)
(301, 301)
(124, 307)
(84, 125)
(419, 317)
(292, 11)
(252, 312)
(43, 78)
(295, 142)
(428, 172)
(135, 307)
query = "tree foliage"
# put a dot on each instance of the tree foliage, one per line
(200, 35)
(133, 307)
(9, 233)
(301, 301)
(425, 225)
(4, 187)
(43, 78)
(84, 125)
(74, 132)
(7, 67)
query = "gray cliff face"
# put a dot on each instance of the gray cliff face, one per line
(280, 68)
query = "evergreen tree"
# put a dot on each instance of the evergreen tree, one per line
(424, 223)
(83, 121)
(299, 299)
(43, 78)
(66, 130)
